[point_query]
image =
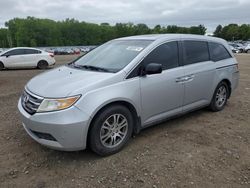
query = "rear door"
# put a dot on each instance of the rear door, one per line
(199, 74)
(31, 57)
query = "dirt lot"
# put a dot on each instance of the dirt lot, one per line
(201, 149)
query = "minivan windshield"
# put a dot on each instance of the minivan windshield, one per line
(112, 56)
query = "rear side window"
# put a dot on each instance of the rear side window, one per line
(165, 54)
(195, 52)
(218, 52)
(31, 51)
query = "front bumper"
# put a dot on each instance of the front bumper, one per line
(68, 127)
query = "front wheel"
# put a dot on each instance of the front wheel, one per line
(1, 66)
(220, 97)
(111, 130)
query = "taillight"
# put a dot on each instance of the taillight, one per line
(51, 54)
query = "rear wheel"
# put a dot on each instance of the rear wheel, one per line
(1, 66)
(220, 97)
(42, 64)
(111, 130)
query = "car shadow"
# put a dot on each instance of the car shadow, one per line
(172, 122)
(88, 156)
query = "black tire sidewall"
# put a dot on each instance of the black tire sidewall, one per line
(94, 140)
(1, 66)
(42, 64)
(213, 105)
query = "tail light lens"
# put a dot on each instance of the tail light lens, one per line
(51, 54)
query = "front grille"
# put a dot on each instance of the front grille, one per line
(30, 102)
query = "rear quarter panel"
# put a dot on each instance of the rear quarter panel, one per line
(227, 70)
(46, 57)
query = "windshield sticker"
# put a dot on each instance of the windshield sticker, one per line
(135, 48)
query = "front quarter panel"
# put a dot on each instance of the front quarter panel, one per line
(127, 91)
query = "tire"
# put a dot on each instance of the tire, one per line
(105, 136)
(220, 97)
(42, 64)
(1, 66)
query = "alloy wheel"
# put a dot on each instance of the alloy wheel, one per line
(221, 96)
(113, 130)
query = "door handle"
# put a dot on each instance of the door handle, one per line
(185, 78)
(190, 77)
(182, 79)
(178, 80)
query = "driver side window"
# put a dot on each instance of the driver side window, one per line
(166, 54)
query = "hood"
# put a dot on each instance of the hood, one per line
(63, 81)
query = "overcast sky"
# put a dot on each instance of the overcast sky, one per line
(152, 12)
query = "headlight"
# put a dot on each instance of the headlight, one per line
(49, 105)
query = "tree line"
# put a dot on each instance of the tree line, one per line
(36, 32)
(233, 32)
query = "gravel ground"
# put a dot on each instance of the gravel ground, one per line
(200, 149)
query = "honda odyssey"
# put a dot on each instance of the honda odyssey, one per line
(125, 85)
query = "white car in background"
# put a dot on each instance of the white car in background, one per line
(26, 57)
(234, 50)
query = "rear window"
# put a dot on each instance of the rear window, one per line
(195, 52)
(218, 52)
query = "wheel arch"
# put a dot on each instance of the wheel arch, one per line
(2, 64)
(227, 81)
(132, 109)
(42, 60)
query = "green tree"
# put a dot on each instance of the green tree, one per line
(33, 31)
(4, 37)
(218, 31)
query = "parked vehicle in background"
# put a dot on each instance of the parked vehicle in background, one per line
(85, 50)
(126, 85)
(64, 51)
(69, 51)
(26, 57)
(77, 51)
(240, 47)
(234, 50)
(247, 48)
(1, 50)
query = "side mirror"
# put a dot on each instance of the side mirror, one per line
(152, 68)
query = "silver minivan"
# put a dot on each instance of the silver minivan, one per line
(125, 85)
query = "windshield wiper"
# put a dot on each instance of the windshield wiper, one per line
(90, 67)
